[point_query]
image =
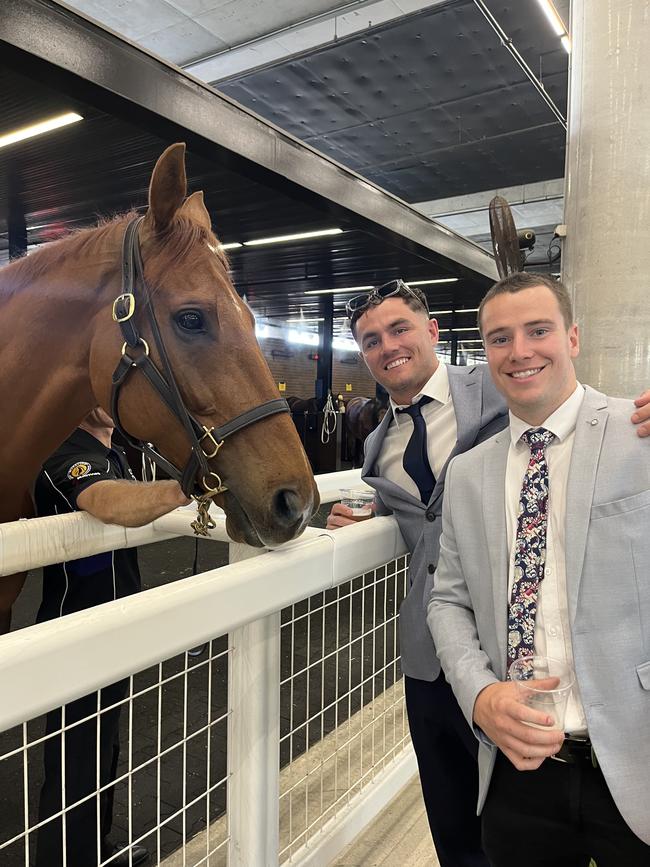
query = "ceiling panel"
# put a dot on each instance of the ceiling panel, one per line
(429, 106)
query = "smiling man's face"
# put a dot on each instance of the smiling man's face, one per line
(530, 351)
(398, 344)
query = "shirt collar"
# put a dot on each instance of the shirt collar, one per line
(562, 422)
(436, 387)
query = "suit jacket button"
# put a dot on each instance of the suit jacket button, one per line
(430, 516)
(431, 568)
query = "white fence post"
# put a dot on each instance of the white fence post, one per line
(254, 737)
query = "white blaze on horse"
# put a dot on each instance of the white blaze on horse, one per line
(198, 388)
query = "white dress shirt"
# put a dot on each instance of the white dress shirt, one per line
(552, 628)
(440, 420)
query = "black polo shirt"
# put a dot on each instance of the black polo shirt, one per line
(78, 584)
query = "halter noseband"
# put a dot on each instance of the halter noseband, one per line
(196, 479)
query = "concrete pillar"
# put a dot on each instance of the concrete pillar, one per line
(606, 256)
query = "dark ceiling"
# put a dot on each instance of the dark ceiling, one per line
(101, 166)
(429, 106)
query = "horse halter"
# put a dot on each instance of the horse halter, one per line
(196, 479)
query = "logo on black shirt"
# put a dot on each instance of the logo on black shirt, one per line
(79, 469)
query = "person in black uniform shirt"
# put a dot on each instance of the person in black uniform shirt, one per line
(88, 473)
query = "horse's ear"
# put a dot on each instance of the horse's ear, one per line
(168, 186)
(194, 209)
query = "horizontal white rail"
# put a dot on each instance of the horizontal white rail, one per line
(38, 542)
(64, 659)
(345, 645)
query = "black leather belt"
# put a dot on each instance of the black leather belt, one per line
(576, 750)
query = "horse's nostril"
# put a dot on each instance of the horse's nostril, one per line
(287, 506)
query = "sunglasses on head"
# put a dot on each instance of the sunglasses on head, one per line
(395, 287)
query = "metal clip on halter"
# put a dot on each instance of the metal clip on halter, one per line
(119, 313)
(217, 444)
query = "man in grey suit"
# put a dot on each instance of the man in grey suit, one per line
(557, 566)
(462, 407)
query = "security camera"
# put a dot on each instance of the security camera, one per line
(526, 239)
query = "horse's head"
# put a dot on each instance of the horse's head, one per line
(208, 333)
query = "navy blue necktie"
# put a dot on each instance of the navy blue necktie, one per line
(416, 461)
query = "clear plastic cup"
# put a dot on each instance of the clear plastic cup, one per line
(360, 501)
(525, 671)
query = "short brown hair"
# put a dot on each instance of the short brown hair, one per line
(411, 296)
(528, 280)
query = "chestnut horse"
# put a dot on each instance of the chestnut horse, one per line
(59, 348)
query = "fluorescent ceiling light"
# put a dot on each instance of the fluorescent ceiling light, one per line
(231, 245)
(464, 310)
(368, 288)
(279, 239)
(429, 282)
(312, 319)
(39, 128)
(336, 291)
(553, 17)
(566, 43)
(454, 330)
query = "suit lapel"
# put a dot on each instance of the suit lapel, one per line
(494, 516)
(375, 442)
(590, 429)
(463, 385)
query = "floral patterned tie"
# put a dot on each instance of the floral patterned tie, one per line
(530, 547)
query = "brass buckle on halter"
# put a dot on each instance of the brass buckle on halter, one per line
(140, 340)
(218, 489)
(217, 445)
(130, 307)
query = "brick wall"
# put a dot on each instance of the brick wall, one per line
(291, 364)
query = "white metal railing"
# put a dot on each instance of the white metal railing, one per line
(340, 681)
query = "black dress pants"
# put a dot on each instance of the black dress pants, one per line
(446, 751)
(561, 815)
(81, 750)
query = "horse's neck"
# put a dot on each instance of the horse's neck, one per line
(44, 372)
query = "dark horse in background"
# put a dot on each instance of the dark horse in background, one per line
(59, 348)
(301, 404)
(362, 415)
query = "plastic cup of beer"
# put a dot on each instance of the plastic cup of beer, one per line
(360, 501)
(525, 672)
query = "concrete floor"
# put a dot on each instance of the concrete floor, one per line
(399, 836)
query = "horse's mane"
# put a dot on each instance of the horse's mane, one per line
(170, 248)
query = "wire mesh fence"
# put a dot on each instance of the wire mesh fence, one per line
(61, 772)
(342, 721)
(343, 715)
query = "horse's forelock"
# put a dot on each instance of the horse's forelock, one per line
(176, 245)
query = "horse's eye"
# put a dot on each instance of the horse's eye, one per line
(190, 320)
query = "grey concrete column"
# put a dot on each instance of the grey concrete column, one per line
(606, 257)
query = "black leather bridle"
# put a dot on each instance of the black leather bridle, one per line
(196, 478)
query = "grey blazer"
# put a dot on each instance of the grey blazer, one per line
(480, 412)
(608, 586)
